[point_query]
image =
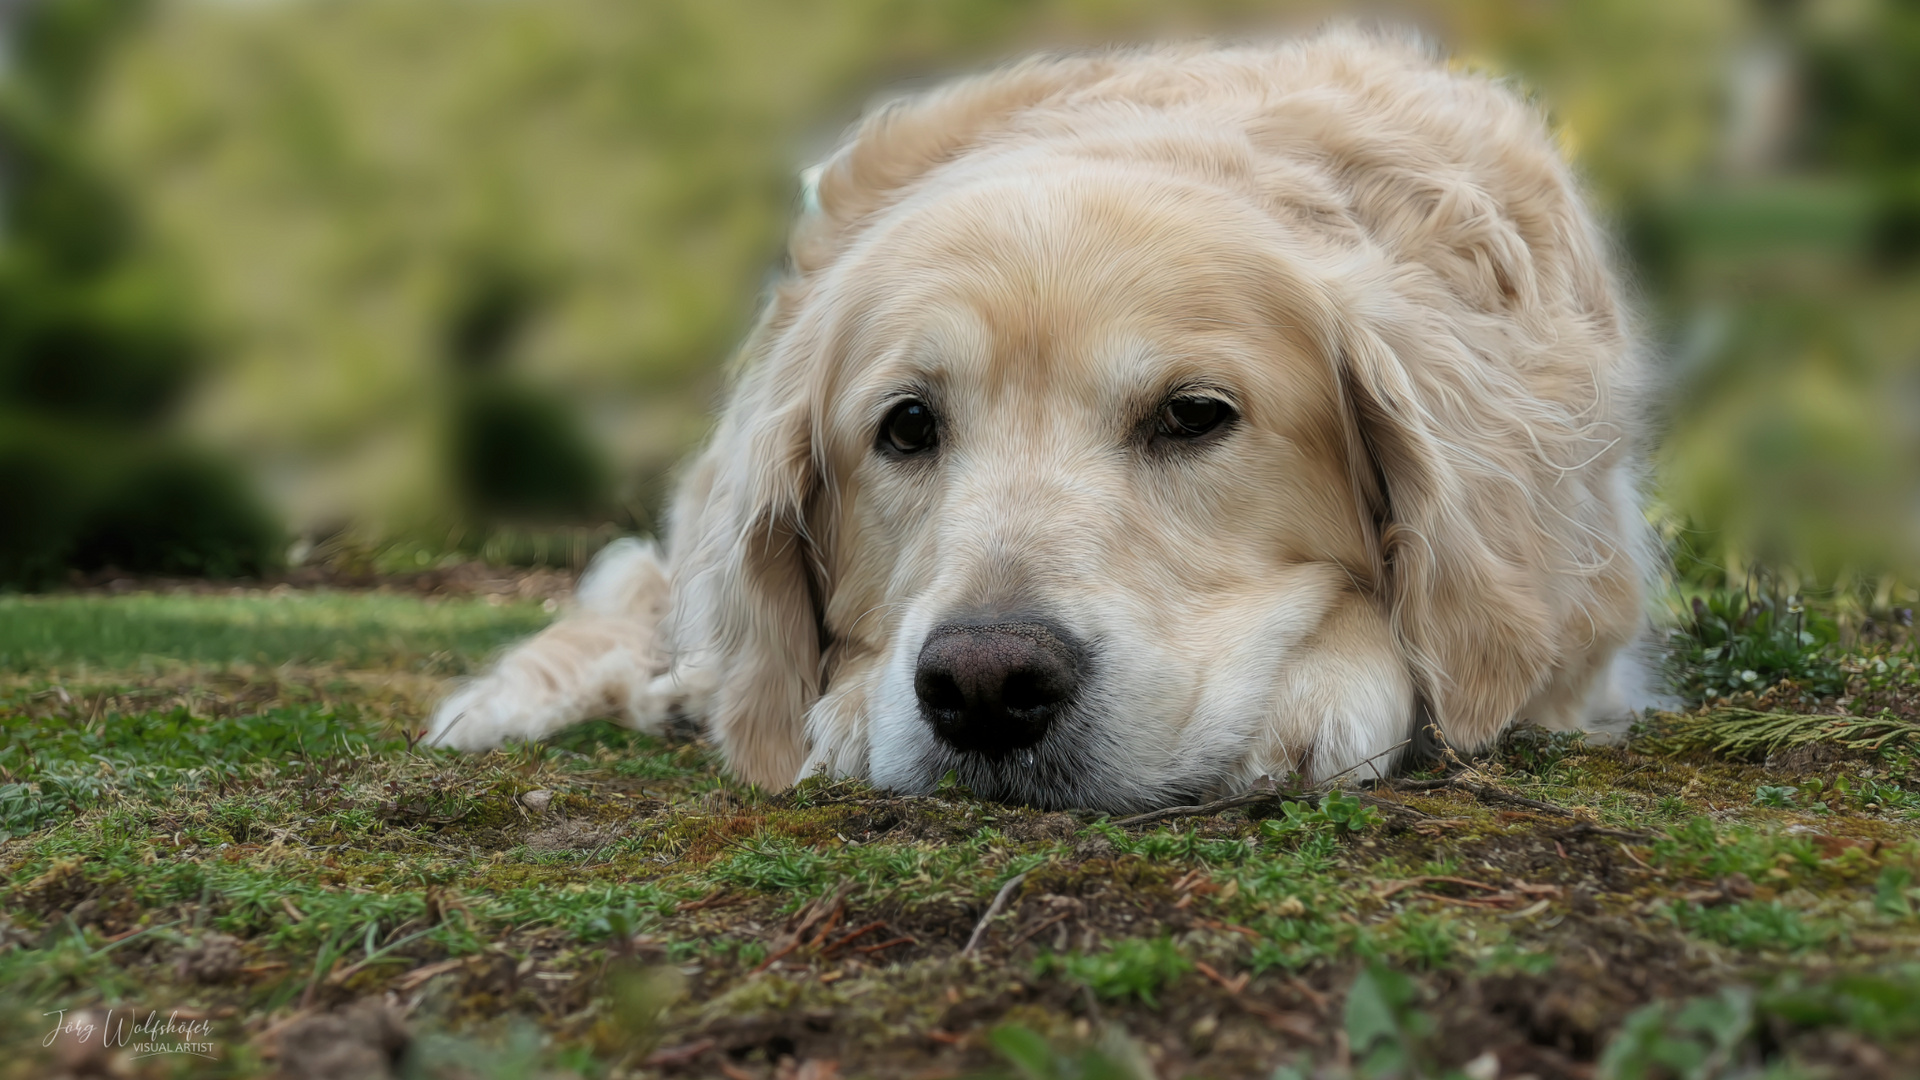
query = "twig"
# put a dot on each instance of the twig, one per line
(1291, 1023)
(678, 1055)
(775, 956)
(850, 938)
(1245, 798)
(1334, 780)
(1028, 934)
(1489, 793)
(1231, 986)
(1421, 785)
(1464, 901)
(993, 910)
(1231, 928)
(1483, 792)
(1389, 804)
(1314, 997)
(830, 923)
(420, 975)
(1411, 882)
(1588, 828)
(888, 944)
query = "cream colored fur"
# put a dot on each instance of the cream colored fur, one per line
(1430, 496)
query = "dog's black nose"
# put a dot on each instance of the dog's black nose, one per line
(993, 688)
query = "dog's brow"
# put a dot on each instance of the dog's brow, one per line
(892, 393)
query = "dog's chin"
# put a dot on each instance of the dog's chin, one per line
(1061, 772)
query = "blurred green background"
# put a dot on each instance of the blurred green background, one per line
(396, 282)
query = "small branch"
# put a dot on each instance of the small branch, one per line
(775, 956)
(1245, 798)
(1334, 780)
(678, 1055)
(1409, 883)
(993, 910)
(1266, 791)
(1390, 805)
(851, 938)
(1028, 934)
(1421, 785)
(1483, 792)
(1489, 793)
(1588, 828)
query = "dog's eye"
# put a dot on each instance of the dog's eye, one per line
(910, 428)
(1192, 417)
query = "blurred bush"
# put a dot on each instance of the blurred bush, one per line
(95, 351)
(1788, 273)
(469, 268)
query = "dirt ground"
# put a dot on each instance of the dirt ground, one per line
(264, 853)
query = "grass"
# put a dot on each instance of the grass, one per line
(81, 633)
(210, 806)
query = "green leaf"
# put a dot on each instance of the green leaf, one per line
(1890, 892)
(1375, 1012)
(1024, 1049)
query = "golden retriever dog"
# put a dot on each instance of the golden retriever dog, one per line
(1131, 426)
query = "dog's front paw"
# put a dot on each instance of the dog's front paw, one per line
(481, 715)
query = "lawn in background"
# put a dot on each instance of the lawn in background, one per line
(95, 632)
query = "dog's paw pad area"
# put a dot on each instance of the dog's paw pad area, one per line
(250, 865)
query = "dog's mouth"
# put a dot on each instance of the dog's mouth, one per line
(1072, 768)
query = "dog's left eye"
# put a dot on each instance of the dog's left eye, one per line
(909, 428)
(1193, 416)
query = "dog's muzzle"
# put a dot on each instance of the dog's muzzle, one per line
(993, 688)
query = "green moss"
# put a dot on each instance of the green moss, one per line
(290, 817)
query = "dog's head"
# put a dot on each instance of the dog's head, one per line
(1063, 443)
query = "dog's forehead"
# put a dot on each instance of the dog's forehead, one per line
(1077, 246)
(1094, 279)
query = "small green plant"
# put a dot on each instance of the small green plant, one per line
(1701, 849)
(1725, 1034)
(1883, 1007)
(1386, 1029)
(1893, 892)
(1131, 968)
(1781, 797)
(1872, 794)
(1114, 1057)
(1698, 1041)
(1753, 924)
(1534, 749)
(1335, 811)
(1747, 640)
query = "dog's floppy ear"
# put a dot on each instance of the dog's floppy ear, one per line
(746, 604)
(1470, 587)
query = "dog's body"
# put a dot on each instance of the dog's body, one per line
(1132, 426)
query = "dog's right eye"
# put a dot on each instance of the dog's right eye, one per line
(909, 428)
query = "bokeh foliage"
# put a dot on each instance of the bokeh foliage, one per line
(96, 346)
(435, 238)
